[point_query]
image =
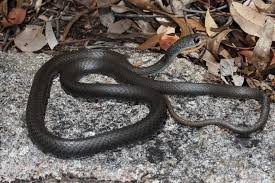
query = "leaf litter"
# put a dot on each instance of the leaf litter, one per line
(239, 50)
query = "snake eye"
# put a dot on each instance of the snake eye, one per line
(196, 40)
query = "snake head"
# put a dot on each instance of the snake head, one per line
(196, 39)
(187, 42)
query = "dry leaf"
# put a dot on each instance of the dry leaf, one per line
(52, 41)
(253, 83)
(38, 4)
(151, 42)
(261, 52)
(119, 8)
(196, 25)
(106, 15)
(166, 41)
(273, 58)
(105, 3)
(106, 18)
(178, 5)
(120, 26)
(162, 6)
(273, 83)
(228, 68)
(247, 54)
(184, 28)
(264, 7)
(145, 27)
(43, 17)
(210, 23)
(15, 17)
(162, 20)
(238, 80)
(70, 24)
(212, 65)
(31, 39)
(4, 10)
(248, 19)
(144, 4)
(166, 29)
(88, 3)
(214, 43)
(224, 53)
(250, 4)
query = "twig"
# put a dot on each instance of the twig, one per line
(204, 12)
(143, 16)
(5, 48)
(57, 23)
(177, 16)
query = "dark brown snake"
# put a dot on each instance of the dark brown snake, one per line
(133, 86)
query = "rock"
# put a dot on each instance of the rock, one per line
(176, 154)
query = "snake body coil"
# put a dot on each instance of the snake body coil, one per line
(74, 65)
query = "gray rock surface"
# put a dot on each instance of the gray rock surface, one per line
(176, 154)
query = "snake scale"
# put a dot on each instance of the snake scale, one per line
(133, 86)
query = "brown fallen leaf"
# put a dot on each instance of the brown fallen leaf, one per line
(43, 17)
(166, 41)
(261, 52)
(224, 53)
(212, 66)
(120, 7)
(178, 5)
(166, 29)
(88, 3)
(151, 42)
(247, 54)
(250, 40)
(184, 28)
(250, 21)
(120, 26)
(31, 39)
(214, 43)
(253, 83)
(15, 17)
(273, 57)
(250, 4)
(105, 3)
(261, 5)
(144, 4)
(210, 23)
(106, 15)
(196, 25)
(145, 27)
(163, 6)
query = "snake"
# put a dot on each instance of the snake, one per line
(133, 85)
